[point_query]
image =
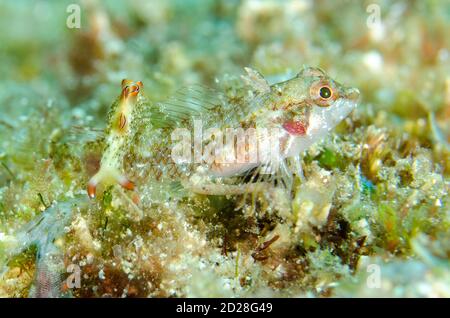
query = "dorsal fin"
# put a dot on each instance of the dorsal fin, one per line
(256, 81)
(185, 104)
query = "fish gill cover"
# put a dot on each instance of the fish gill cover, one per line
(224, 148)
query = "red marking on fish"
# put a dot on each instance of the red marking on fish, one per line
(297, 128)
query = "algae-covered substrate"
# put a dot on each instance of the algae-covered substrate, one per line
(92, 203)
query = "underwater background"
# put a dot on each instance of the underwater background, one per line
(371, 219)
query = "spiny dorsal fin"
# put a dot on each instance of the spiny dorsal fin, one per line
(255, 80)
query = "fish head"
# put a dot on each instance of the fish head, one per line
(323, 103)
(130, 90)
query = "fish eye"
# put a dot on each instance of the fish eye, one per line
(322, 93)
(325, 92)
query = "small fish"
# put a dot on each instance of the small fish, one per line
(298, 112)
(119, 134)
